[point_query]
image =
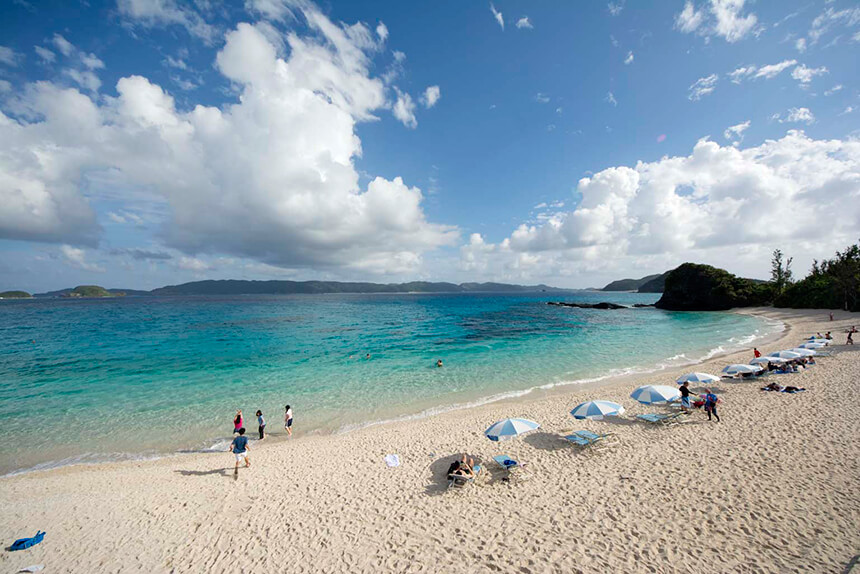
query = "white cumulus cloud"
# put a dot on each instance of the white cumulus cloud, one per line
(722, 18)
(431, 96)
(269, 176)
(497, 15)
(702, 87)
(798, 115)
(404, 109)
(524, 22)
(687, 208)
(804, 75)
(77, 258)
(735, 133)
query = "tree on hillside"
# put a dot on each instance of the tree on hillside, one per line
(780, 273)
(845, 271)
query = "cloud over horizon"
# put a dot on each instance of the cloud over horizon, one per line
(269, 177)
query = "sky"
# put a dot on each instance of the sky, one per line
(154, 142)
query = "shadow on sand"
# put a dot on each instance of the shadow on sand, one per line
(222, 471)
(437, 481)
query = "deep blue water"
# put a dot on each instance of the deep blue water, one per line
(99, 379)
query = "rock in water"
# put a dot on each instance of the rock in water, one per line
(603, 305)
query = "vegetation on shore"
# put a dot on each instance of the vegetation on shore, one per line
(696, 287)
(831, 284)
(92, 291)
(15, 295)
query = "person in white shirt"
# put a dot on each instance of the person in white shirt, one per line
(288, 420)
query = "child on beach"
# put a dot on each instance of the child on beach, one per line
(240, 448)
(288, 420)
(238, 422)
(756, 353)
(711, 401)
(261, 422)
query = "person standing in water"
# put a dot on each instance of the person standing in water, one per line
(288, 420)
(439, 363)
(240, 448)
(238, 422)
(261, 422)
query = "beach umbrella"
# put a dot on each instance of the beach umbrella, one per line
(803, 352)
(509, 428)
(823, 341)
(785, 355)
(596, 410)
(812, 345)
(650, 394)
(703, 378)
(738, 369)
(766, 360)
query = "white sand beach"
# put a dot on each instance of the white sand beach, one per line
(771, 488)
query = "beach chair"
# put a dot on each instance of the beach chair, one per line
(458, 480)
(661, 419)
(506, 463)
(589, 440)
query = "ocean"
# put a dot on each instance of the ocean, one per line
(85, 381)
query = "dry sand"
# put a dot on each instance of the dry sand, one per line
(772, 488)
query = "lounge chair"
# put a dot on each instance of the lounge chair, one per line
(661, 419)
(506, 462)
(588, 439)
(460, 480)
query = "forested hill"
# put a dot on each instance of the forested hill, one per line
(241, 287)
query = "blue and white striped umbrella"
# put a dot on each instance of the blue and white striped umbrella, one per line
(785, 354)
(697, 378)
(825, 341)
(509, 428)
(766, 360)
(651, 394)
(803, 352)
(812, 345)
(597, 410)
(735, 369)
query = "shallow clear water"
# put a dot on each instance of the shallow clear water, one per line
(102, 379)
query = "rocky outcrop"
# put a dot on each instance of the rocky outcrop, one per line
(603, 305)
(694, 287)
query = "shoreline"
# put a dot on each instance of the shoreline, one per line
(537, 392)
(771, 488)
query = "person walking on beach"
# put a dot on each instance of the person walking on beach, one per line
(238, 422)
(711, 401)
(261, 422)
(756, 353)
(849, 341)
(240, 448)
(685, 395)
(288, 420)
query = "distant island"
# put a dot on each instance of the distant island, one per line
(15, 295)
(244, 287)
(647, 284)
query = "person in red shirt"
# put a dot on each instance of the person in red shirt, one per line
(756, 353)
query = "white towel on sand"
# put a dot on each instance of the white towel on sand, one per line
(392, 460)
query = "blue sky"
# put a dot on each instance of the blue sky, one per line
(152, 142)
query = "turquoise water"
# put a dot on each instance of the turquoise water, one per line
(105, 379)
